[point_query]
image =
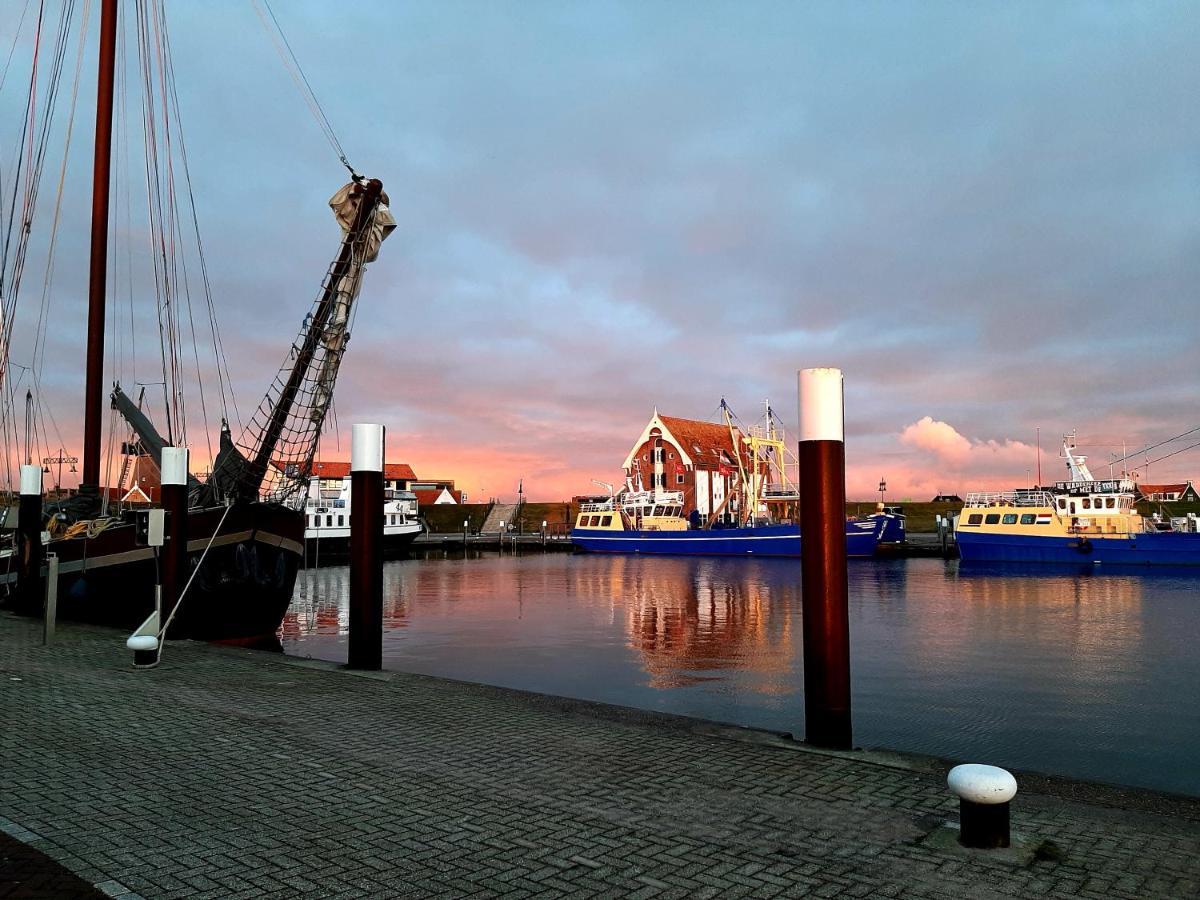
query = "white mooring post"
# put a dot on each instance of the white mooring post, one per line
(30, 594)
(365, 650)
(825, 604)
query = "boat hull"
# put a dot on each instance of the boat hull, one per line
(1163, 548)
(397, 541)
(767, 540)
(240, 593)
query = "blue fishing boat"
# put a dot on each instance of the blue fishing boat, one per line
(609, 535)
(1081, 520)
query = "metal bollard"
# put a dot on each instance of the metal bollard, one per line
(984, 794)
(365, 650)
(50, 621)
(826, 618)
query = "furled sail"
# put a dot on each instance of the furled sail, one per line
(345, 205)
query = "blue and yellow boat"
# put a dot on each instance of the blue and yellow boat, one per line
(1081, 520)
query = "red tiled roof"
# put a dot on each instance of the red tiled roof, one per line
(1147, 489)
(707, 436)
(429, 498)
(335, 469)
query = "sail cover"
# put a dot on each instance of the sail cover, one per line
(345, 205)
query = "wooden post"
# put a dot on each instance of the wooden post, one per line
(174, 472)
(30, 592)
(366, 544)
(826, 617)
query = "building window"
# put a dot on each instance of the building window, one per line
(329, 521)
(341, 521)
(670, 456)
(679, 478)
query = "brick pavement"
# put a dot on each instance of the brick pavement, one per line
(228, 773)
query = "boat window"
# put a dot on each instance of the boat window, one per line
(341, 521)
(1087, 502)
(992, 519)
(1028, 518)
(1009, 519)
(974, 518)
(1110, 502)
(605, 521)
(1062, 504)
(316, 521)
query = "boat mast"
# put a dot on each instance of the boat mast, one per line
(93, 393)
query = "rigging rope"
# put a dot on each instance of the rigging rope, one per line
(292, 64)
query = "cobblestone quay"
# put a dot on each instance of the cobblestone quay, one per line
(230, 773)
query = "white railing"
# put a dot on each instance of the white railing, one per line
(1010, 498)
(597, 506)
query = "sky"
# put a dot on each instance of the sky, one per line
(986, 214)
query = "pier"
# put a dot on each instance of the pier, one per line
(235, 773)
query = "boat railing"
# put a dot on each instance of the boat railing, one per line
(1009, 498)
(641, 499)
(597, 506)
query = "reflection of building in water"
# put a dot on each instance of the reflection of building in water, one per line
(689, 623)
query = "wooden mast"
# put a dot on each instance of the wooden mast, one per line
(93, 392)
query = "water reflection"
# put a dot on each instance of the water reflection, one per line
(1082, 672)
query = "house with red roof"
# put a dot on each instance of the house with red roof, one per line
(698, 458)
(1168, 493)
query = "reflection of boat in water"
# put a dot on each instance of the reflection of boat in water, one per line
(738, 497)
(1080, 521)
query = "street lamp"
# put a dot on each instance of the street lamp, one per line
(543, 532)
(466, 523)
(882, 488)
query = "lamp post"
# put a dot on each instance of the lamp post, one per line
(882, 488)
(501, 535)
(466, 523)
(543, 532)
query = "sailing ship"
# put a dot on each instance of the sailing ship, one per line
(1081, 520)
(752, 502)
(245, 536)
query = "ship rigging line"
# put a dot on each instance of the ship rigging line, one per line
(1146, 450)
(292, 64)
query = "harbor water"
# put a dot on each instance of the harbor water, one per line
(1083, 673)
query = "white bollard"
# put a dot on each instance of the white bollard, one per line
(984, 794)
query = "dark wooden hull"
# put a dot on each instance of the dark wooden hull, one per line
(240, 593)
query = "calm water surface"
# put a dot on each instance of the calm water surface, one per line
(1088, 674)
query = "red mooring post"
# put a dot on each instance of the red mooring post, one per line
(30, 591)
(175, 552)
(366, 548)
(822, 460)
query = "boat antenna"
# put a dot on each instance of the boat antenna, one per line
(292, 64)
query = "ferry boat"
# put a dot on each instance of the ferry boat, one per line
(326, 507)
(737, 497)
(1079, 520)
